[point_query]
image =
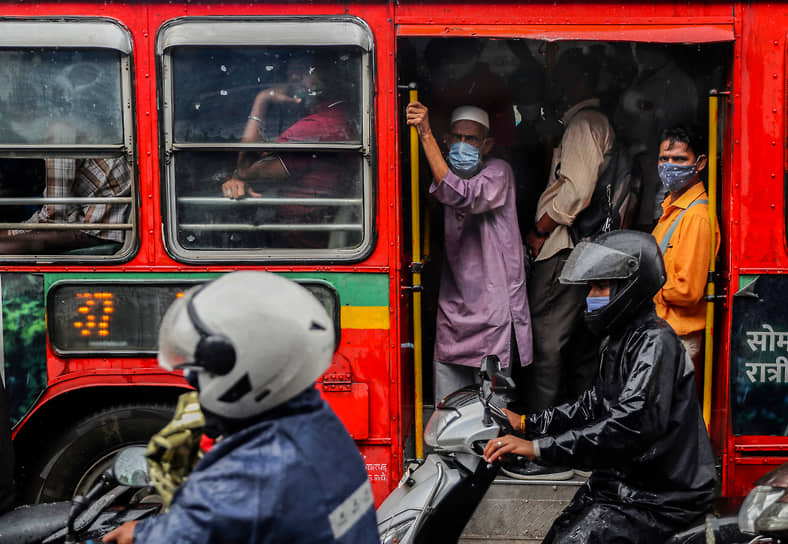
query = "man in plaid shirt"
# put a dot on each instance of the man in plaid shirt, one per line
(81, 178)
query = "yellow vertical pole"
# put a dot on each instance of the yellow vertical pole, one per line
(709, 343)
(415, 219)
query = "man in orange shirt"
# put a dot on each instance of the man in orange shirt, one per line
(684, 236)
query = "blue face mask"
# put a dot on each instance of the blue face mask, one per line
(464, 159)
(595, 303)
(676, 176)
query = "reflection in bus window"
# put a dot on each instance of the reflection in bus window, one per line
(215, 88)
(77, 88)
(275, 196)
(58, 200)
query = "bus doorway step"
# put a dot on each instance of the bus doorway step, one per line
(518, 511)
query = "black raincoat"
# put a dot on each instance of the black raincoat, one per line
(640, 429)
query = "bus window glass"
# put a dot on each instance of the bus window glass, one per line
(214, 90)
(66, 181)
(60, 96)
(268, 152)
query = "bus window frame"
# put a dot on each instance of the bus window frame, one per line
(81, 33)
(266, 31)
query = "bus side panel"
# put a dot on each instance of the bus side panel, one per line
(378, 460)
(751, 347)
(546, 13)
(759, 203)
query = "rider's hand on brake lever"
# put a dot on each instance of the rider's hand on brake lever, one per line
(123, 534)
(515, 420)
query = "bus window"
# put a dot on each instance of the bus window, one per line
(267, 143)
(65, 174)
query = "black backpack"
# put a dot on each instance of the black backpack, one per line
(613, 200)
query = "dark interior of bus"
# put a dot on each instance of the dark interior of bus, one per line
(643, 88)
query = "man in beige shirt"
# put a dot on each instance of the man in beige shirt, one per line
(562, 367)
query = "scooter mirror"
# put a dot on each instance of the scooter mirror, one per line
(491, 364)
(131, 467)
(501, 383)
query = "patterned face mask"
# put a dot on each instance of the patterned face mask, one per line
(464, 159)
(675, 176)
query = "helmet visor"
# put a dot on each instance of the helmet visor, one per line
(594, 262)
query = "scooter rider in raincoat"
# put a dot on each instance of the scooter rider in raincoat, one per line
(639, 427)
(285, 469)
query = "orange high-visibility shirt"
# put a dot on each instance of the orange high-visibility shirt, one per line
(681, 301)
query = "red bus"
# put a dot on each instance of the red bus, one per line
(157, 96)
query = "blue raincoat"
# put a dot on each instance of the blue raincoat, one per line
(294, 476)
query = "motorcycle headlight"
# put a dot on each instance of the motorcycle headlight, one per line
(438, 421)
(393, 534)
(755, 505)
(774, 518)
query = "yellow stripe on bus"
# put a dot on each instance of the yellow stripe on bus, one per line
(364, 317)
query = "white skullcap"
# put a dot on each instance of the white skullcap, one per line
(471, 113)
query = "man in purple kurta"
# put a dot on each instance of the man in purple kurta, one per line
(483, 305)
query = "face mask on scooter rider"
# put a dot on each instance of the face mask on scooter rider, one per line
(464, 159)
(595, 303)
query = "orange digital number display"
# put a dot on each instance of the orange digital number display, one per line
(94, 313)
(109, 318)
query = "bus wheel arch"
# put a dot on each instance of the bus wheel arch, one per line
(54, 467)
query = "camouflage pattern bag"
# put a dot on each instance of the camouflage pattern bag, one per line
(175, 450)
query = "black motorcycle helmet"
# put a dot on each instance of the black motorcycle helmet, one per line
(631, 261)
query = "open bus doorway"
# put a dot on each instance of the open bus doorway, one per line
(642, 87)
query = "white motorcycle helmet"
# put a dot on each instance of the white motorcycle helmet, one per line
(255, 340)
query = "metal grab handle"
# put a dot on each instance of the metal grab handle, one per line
(415, 219)
(708, 351)
(66, 226)
(266, 201)
(54, 201)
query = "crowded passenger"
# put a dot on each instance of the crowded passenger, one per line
(459, 77)
(75, 178)
(534, 132)
(563, 365)
(313, 86)
(482, 302)
(684, 236)
(661, 95)
(639, 427)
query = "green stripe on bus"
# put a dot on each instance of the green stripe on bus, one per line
(745, 280)
(354, 288)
